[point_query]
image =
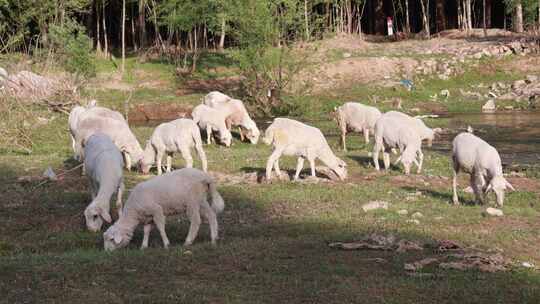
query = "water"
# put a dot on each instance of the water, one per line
(516, 135)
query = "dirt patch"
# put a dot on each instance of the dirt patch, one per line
(525, 184)
(169, 111)
(225, 84)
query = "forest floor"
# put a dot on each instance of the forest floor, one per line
(275, 237)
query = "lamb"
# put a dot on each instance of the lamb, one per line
(212, 119)
(392, 131)
(236, 114)
(356, 117)
(150, 201)
(290, 137)
(103, 165)
(176, 136)
(117, 130)
(419, 126)
(482, 162)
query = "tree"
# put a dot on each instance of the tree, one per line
(123, 35)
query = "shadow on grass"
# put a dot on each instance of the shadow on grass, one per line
(439, 195)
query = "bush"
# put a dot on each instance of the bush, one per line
(73, 47)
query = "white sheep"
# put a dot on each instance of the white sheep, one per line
(356, 117)
(290, 137)
(117, 130)
(176, 136)
(103, 163)
(212, 119)
(419, 126)
(74, 116)
(482, 162)
(186, 189)
(236, 114)
(396, 132)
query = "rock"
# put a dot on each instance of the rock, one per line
(527, 265)
(492, 95)
(478, 55)
(468, 189)
(417, 215)
(438, 218)
(403, 212)
(347, 55)
(518, 84)
(494, 212)
(413, 221)
(374, 205)
(445, 93)
(508, 107)
(531, 78)
(489, 106)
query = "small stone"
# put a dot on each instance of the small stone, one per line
(374, 205)
(468, 189)
(417, 215)
(445, 93)
(518, 84)
(403, 212)
(438, 218)
(489, 106)
(531, 78)
(347, 55)
(414, 221)
(508, 107)
(527, 265)
(494, 212)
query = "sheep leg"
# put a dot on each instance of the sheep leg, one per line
(476, 185)
(241, 133)
(276, 168)
(146, 236)
(386, 160)
(299, 166)
(343, 140)
(169, 162)
(208, 135)
(195, 219)
(270, 163)
(376, 149)
(202, 157)
(420, 161)
(159, 157)
(455, 198)
(366, 135)
(119, 193)
(210, 215)
(311, 161)
(128, 161)
(159, 221)
(186, 154)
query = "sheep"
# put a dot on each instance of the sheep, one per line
(150, 201)
(94, 110)
(74, 116)
(395, 132)
(103, 163)
(356, 117)
(290, 137)
(236, 114)
(482, 162)
(176, 136)
(419, 126)
(209, 119)
(117, 130)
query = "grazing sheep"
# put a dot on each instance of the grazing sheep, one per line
(171, 193)
(74, 116)
(212, 119)
(176, 136)
(472, 155)
(103, 163)
(290, 137)
(356, 117)
(117, 130)
(395, 132)
(102, 112)
(419, 126)
(236, 114)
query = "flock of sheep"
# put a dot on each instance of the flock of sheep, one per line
(103, 141)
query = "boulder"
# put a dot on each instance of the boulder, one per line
(494, 212)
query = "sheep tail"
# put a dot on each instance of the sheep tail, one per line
(216, 201)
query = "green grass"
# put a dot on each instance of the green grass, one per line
(274, 237)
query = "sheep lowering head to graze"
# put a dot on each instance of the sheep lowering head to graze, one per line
(418, 125)
(393, 131)
(353, 116)
(176, 136)
(290, 137)
(482, 162)
(212, 119)
(103, 163)
(236, 114)
(186, 189)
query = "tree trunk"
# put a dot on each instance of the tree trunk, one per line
(222, 36)
(133, 34)
(425, 18)
(98, 38)
(105, 36)
(518, 18)
(306, 20)
(380, 18)
(441, 16)
(488, 14)
(407, 23)
(123, 35)
(484, 17)
(142, 23)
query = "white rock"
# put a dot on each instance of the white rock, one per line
(403, 212)
(346, 55)
(527, 265)
(532, 78)
(374, 205)
(494, 212)
(489, 106)
(417, 215)
(445, 93)
(414, 221)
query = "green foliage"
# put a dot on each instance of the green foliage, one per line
(74, 48)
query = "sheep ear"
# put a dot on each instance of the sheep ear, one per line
(117, 238)
(509, 185)
(105, 215)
